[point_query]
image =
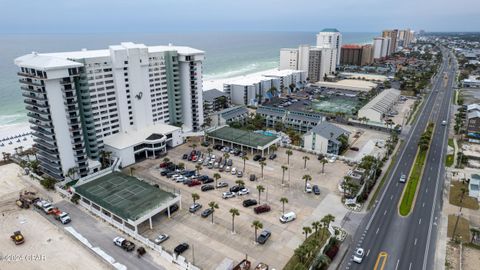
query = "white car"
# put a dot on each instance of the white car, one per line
(358, 256)
(243, 191)
(308, 188)
(234, 171)
(161, 238)
(403, 178)
(228, 194)
(332, 159)
(227, 169)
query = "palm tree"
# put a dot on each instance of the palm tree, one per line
(193, 146)
(262, 164)
(307, 230)
(323, 161)
(234, 212)
(283, 200)
(195, 197)
(274, 148)
(260, 189)
(245, 158)
(199, 168)
(71, 173)
(181, 166)
(284, 168)
(216, 176)
(305, 158)
(256, 224)
(326, 220)
(166, 159)
(307, 178)
(461, 195)
(316, 225)
(209, 151)
(132, 169)
(240, 183)
(226, 156)
(213, 205)
(289, 153)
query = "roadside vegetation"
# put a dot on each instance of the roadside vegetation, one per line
(416, 172)
(459, 196)
(449, 160)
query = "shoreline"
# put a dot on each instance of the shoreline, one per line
(218, 83)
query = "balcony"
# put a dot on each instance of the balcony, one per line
(35, 103)
(57, 174)
(43, 137)
(48, 164)
(46, 143)
(81, 158)
(34, 97)
(32, 90)
(64, 82)
(41, 130)
(38, 117)
(24, 81)
(78, 135)
(40, 123)
(49, 154)
(71, 108)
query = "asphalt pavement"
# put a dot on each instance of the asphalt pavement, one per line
(101, 235)
(389, 240)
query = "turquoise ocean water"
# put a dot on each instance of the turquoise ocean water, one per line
(227, 54)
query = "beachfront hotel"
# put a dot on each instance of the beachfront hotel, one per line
(130, 99)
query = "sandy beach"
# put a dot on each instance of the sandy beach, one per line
(218, 83)
(8, 145)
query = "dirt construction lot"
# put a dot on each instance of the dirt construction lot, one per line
(45, 246)
(211, 243)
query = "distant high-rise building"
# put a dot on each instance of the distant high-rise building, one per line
(317, 62)
(351, 54)
(393, 35)
(381, 47)
(367, 54)
(76, 100)
(330, 38)
(405, 37)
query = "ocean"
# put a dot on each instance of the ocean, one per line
(227, 54)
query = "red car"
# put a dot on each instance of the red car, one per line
(261, 209)
(194, 183)
(194, 158)
(163, 165)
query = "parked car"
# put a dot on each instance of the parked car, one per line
(233, 171)
(249, 202)
(173, 209)
(316, 190)
(208, 180)
(235, 188)
(161, 238)
(243, 191)
(123, 243)
(207, 212)
(194, 183)
(239, 174)
(358, 256)
(227, 169)
(205, 143)
(354, 148)
(261, 209)
(263, 237)
(253, 177)
(207, 187)
(262, 159)
(229, 162)
(181, 248)
(308, 188)
(222, 184)
(287, 217)
(272, 156)
(228, 194)
(194, 207)
(237, 152)
(257, 157)
(185, 156)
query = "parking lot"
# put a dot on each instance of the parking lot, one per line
(211, 243)
(367, 141)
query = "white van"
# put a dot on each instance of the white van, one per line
(308, 188)
(290, 216)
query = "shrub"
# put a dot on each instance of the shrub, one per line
(332, 252)
(75, 198)
(48, 183)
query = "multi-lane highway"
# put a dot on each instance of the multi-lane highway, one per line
(391, 241)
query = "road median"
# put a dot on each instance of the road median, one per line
(416, 173)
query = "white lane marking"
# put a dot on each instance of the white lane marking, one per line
(415, 243)
(368, 252)
(377, 230)
(423, 204)
(420, 221)
(426, 190)
(410, 267)
(384, 213)
(391, 197)
(396, 184)
(398, 261)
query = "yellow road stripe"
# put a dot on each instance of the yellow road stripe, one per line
(381, 260)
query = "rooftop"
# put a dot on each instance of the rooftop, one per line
(233, 112)
(212, 94)
(259, 77)
(123, 195)
(473, 114)
(330, 30)
(356, 85)
(135, 137)
(243, 137)
(383, 101)
(329, 131)
(43, 62)
(366, 76)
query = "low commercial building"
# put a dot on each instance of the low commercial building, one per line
(149, 142)
(473, 124)
(352, 85)
(243, 140)
(376, 109)
(229, 115)
(124, 201)
(214, 100)
(471, 82)
(363, 76)
(325, 138)
(474, 186)
(300, 121)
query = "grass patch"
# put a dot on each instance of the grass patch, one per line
(415, 174)
(456, 194)
(315, 240)
(449, 160)
(450, 142)
(416, 107)
(384, 178)
(463, 228)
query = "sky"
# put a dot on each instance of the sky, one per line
(106, 16)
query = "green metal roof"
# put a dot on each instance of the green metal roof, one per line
(330, 30)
